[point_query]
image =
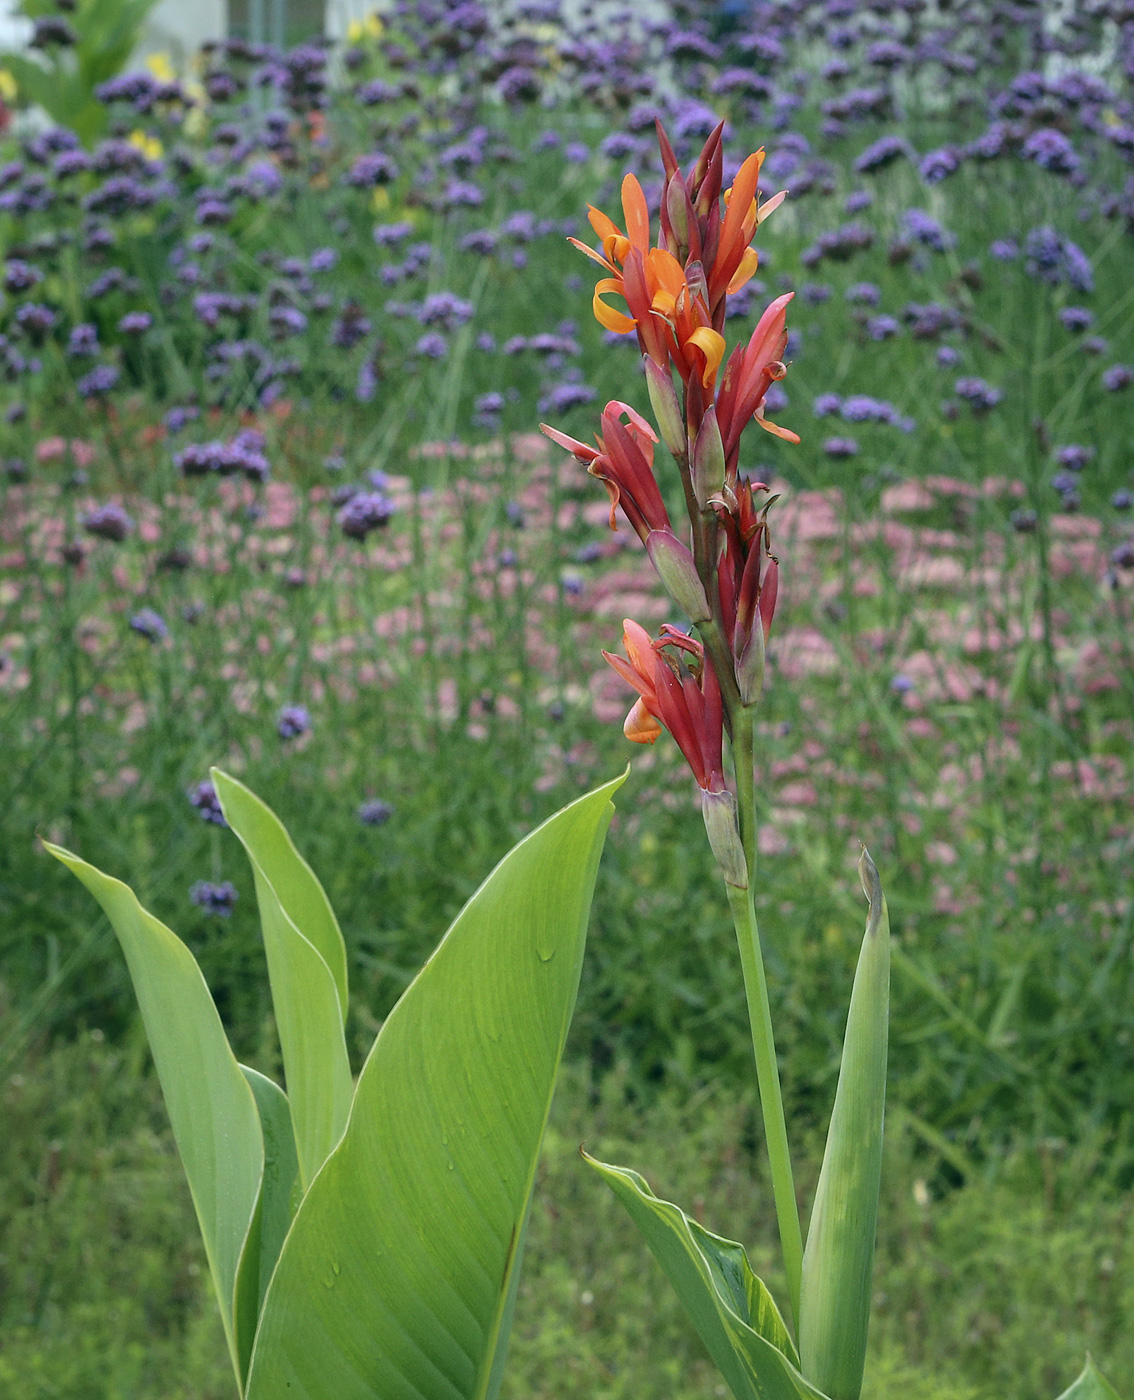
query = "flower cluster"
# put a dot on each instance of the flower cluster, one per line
(720, 572)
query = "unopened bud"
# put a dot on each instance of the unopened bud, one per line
(719, 811)
(677, 569)
(708, 460)
(750, 665)
(679, 209)
(667, 410)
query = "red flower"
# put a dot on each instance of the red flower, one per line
(624, 462)
(749, 374)
(679, 691)
(748, 580)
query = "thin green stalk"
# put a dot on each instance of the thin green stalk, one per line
(760, 1019)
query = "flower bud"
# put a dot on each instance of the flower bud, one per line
(750, 666)
(719, 811)
(667, 410)
(679, 210)
(708, 459)
(677, 569)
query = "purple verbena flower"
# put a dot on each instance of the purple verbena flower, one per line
(204, 798)
(149, 624)
(293, 721)
(214, 899)
(108, 522)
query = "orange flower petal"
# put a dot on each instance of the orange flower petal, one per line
(771, 205)
(640, 727)
(712, 345)
(593, 255)
(744, 272)
(636, 213)
(602, 224)
(775, 429)
(607, 316)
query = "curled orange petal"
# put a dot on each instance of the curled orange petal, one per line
(593, 255)
(640, 727)
(712, 345)
(602, 223)
(775, 429)
(607, 316)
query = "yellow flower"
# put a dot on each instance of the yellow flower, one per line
(369, 28)
(160, 66)
(8, 88)
(149, 145)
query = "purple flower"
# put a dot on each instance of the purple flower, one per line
(293, 721)
(564, 396)
(322, 259)
(1075, 456)
(901, 685)
(862, 294)
(940, 164)
(20, 276)
(826, 405)
(432, 345)
(446, 310)
(97, 382)
(947, 357)
(860, 408)
(108, 522)
(883, 327)
(815, 293)
(1004, 249)
(214, 899)
(1076, 318)
(390, 235)
(1122, 499)
(370, 170)
(576, 152)
(375, 812)
(1117, 377)
(977, 393)
(881, 153)
(922, 228)
(840, 447)
(1051, 150)
(364, 512)
(204, 798)
(149, 624)
(135, 323)
(35, 318)
(1054, 259)
(178, 416)
(83, 341)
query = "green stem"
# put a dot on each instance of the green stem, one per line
(760, 1019)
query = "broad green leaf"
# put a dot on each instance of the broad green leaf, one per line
(211, 1107)
(1091, 1385)
(307, 971)
(398, 1277)
(733, 1312)
(838, 1261)
(273, 1211)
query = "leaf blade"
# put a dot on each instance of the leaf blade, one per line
(210, 1104)
(838, 1259)
(305, 992)
(1091, 1385)
(730, 1308)
(404, 1288)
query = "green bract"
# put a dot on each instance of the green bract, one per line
(392, 1270)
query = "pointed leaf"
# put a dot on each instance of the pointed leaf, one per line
(834, 1307)
(273, 1211)
(733, 1312)
(299, 929)
(1091, 1385)
(399, 1274)
(296, 884)
(211, 1107)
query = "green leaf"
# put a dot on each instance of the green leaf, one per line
(399, 1273)
(838, 1261)
(211, 1107)
(307, 971)
(1091, 1385)
(733, 1312)
(273, 1211)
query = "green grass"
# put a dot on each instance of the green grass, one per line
(989, 1288)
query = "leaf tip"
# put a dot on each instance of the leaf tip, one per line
(871, 884)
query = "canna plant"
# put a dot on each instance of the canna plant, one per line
(365, 1239)
(703, 685)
